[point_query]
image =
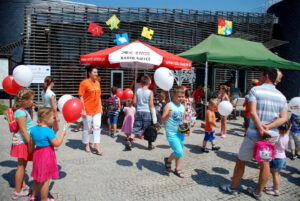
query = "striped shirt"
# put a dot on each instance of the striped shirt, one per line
(269, 103)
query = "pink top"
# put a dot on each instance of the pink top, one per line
(129, 111)
(281, 146)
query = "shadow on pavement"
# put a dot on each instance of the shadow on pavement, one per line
(10, 178)
(124, 163)
(75, 144)
(232, 157)
(154, 166)
(220, 170)
(197, 132)
(163, 146)
(236, 132)
(204, 178)
(9, 163)
(292, 175)
(196, 149)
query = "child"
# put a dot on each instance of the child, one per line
(210, 124)
(189, 109)
(114, 105)
(160, 106)
(173, 115)
(145, 114)
(279, 163)
(129, 111)
(294, 143)
(21, 139)
(44, 160)
(48, 97)
(224, 96)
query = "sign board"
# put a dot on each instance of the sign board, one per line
(3, 70)
(39, 72)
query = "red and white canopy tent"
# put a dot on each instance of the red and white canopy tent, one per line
(135, 55)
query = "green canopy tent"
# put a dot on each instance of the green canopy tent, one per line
(236, 51)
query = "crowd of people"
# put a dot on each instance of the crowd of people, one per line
(266, 117)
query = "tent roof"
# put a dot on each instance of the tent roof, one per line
(236, 51)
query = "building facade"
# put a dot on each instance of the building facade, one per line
(56, 34)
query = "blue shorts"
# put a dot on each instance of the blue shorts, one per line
(141, 121)
(176, 143)
(278, 164)
(113, 118)
(209, 136)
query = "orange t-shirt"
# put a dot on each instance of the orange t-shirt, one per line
(91, 93)
(209, 127)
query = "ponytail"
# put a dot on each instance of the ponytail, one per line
(48, 80)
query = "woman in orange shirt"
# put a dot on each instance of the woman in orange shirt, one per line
(90, 95)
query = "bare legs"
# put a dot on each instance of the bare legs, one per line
(264, 175)
(20, 175)
(44, 189)
(238, 172)
(177, 162)
(223, 125)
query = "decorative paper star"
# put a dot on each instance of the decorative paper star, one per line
(121, 39)
(147, 33)
(113, 22)
(95, 29)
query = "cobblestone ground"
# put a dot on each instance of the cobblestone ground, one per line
(140, 174)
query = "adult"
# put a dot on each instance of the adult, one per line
(90, 95)
(49, 100)
(268, 109)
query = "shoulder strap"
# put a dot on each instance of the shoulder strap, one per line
(23, 111)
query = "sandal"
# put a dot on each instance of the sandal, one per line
(272, 192)
(268, 189)
(178, 173)
(19, 195)
(26, 188)
(95, 151)
(167, 165)
(31, 198)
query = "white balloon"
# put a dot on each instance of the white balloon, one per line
(22, 75)
(62, 100)
(164, 78)
(225, 108)
(294, 105)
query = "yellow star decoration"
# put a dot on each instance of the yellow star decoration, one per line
(147, 33)
(113, 22)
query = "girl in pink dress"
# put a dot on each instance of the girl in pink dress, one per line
(44, 160)
(129, 118)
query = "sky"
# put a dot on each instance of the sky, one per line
(222, 5)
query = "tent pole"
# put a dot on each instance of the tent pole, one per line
(205, 88)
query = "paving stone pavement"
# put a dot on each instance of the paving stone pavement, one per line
(140, 174)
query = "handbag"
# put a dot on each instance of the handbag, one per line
(184, 127)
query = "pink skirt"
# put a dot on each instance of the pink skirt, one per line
(21, 151)
(128, 124)
(44, 164)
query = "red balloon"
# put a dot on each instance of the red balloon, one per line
(128, 93)
(10, 86)
(72, 110)
(120, 94)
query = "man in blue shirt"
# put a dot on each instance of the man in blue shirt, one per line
(268, 110)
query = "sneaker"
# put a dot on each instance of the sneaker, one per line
(251, 191)
(227, 189)
(110, 134)
(128, 145)
(223, 136)
(293, 157)
(115, 136)
(204, 149)
(215, 148)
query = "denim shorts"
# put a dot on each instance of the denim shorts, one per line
(209, 136)
(113, 118)
(278, 164)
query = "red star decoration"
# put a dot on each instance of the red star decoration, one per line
(95, 29)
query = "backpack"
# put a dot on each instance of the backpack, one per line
(11, 119)
(113, 103)
(263, 151)
(150, 133)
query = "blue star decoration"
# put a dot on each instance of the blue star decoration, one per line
(121, 39)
